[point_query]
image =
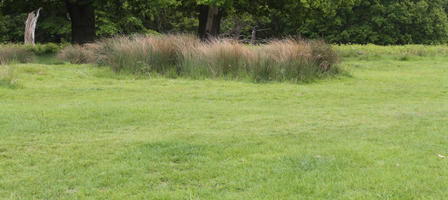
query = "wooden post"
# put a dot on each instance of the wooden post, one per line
(30, 26)
(254, 36)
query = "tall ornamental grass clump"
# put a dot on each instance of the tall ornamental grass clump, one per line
(159, 54)
(15, 53)
(77, 54)
(187, 56)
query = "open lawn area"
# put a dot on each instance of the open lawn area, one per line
(83, 132)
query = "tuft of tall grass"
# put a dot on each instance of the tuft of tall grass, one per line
(15, 53)
(218, 58)
(77, 54)
(187, 56)
(8, 77)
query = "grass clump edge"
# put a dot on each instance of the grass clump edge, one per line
(172, 56)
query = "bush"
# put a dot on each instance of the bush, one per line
(15, 53)
(186, 55)
(43, 49)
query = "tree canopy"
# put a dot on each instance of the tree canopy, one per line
(337, 21)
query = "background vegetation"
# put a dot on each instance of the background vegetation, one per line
(347, 21)
(187, 56)
(85, 132)
(78, 131)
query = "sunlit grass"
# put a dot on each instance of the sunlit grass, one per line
(8, 77)
(370, 50)
(83, 132)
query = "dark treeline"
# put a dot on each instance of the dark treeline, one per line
(337, 21)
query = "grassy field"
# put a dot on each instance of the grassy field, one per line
(82, 132)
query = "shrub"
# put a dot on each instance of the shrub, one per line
(43, 49)
(15, 53)
(8, 77)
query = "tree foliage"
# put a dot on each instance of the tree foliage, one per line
(337, 21)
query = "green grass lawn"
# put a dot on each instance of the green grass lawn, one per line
(81, 132)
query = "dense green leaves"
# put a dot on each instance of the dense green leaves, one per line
(384, 22)
(337, 21)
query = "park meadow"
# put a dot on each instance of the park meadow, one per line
(374, 130)
(223, 99)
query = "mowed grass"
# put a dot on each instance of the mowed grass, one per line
(81, 132)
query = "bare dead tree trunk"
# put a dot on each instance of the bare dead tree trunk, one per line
(30, 27)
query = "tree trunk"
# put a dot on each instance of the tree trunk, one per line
(209, 21)
(30, 27)
(82, 16)
(237, 28)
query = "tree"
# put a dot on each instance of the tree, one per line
(82, 16)
(337, 21)
(210, 15)
(30, 26)
(81, 12)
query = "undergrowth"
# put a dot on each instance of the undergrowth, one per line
(15, 53)
(187, 56)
